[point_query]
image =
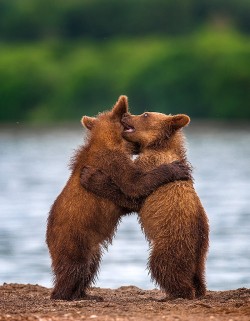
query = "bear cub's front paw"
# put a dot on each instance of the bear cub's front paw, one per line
(91, 175)
(183, 171)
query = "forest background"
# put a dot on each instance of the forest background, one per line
(61, 59)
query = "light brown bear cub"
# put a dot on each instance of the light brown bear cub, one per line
(172, 217)
(81, 224)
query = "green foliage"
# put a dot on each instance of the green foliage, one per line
(28, 20)
(61, 59)
(203, 75)
(24, 82)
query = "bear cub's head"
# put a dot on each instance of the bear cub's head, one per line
(151, 128)
(106, 128)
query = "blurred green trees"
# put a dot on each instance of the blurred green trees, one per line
(73, 19)
(61, 59)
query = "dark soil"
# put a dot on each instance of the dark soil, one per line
(32, 302)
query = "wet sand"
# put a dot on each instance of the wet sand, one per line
(32, 302)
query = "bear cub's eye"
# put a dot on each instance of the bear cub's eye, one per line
(145, 114)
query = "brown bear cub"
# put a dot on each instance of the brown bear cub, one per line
(172, 217)
(81, 224)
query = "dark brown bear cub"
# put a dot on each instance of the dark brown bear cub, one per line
(172, 217)
(81, 224)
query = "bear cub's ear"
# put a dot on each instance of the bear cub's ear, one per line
(88, 122)
(121, 107)
(179, 121)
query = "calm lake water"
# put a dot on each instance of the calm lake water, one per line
(33, 170)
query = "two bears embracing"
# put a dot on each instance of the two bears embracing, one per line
(105, 184)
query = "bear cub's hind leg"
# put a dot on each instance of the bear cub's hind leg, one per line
(171, 274)
(69, 281)
(73, 278)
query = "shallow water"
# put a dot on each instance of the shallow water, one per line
(33, 170)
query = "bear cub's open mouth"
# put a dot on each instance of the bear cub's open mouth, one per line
(127, 128)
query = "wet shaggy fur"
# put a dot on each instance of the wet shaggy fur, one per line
(172, 217)
(81, 224)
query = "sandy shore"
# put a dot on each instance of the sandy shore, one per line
(32, 302)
